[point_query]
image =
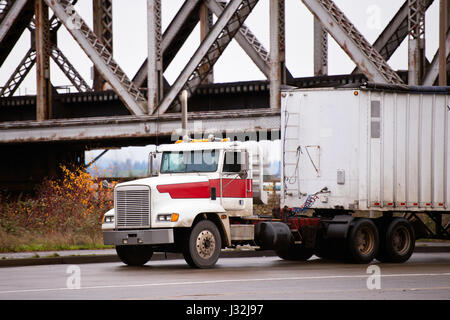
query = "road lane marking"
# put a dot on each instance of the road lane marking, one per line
(222, 281)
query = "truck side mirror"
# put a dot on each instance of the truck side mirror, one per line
(245, 165)
(153, 168)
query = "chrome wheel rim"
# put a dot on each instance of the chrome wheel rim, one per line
(205, 244)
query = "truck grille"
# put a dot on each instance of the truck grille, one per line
(132, 206)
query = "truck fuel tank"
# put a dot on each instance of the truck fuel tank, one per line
(272, 235)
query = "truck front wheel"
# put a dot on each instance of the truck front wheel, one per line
(203, 245)
(363, 241)
(134, 255)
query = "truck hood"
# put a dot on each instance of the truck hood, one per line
(165, 179)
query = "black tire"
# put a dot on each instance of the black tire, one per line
(363, 241)
(134, 255)
(295, 252)
(203, 245)
(397, 242)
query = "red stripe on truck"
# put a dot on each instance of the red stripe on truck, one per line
(231, 188)
(193, 190)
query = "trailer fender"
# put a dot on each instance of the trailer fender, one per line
(338, 227)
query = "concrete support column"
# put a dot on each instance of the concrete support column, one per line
(277, 52)
(43, 85)
(155, 65)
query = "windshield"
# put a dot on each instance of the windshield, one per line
(189, 161)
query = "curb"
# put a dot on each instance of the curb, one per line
(108, 258)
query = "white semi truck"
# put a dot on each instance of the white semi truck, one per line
(359, 169)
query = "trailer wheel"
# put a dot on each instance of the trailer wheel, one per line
(295, 252)
(363, 241)
(134, 255)
(398, 242)
(203, 245)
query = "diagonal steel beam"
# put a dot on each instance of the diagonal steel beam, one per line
(12, 28)
(209, 50)
(4, 8)
(368, 60)
(395, 32)
(433, 70)
(248, 42)
(19, 74)
(69, 70)
(54, 22)
(99, 55)
(29, 61)
(184, 23)
(173, 38)
(13, 12)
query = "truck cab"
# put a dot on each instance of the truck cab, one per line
(186, 205)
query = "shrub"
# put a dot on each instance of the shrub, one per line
(69, 209)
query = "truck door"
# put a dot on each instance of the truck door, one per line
(236, 181)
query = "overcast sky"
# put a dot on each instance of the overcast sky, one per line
(130, 40)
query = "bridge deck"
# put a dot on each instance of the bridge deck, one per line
(126, 127)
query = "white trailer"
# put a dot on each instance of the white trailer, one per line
(373, 150)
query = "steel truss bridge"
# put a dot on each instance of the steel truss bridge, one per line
(39, 132)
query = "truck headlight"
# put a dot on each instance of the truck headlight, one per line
(172, 217)
(108, 219)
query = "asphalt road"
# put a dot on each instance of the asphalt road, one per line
(424, 276)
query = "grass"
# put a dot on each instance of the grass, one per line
(55, 242)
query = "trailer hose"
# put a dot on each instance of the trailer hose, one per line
(310, 199)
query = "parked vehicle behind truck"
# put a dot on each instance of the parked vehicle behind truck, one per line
(358, 167)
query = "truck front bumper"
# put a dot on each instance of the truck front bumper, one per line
(133, 237)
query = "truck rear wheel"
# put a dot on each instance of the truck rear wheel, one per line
(203, 245)
(363, 241)
(134, 255)
(398, 242)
